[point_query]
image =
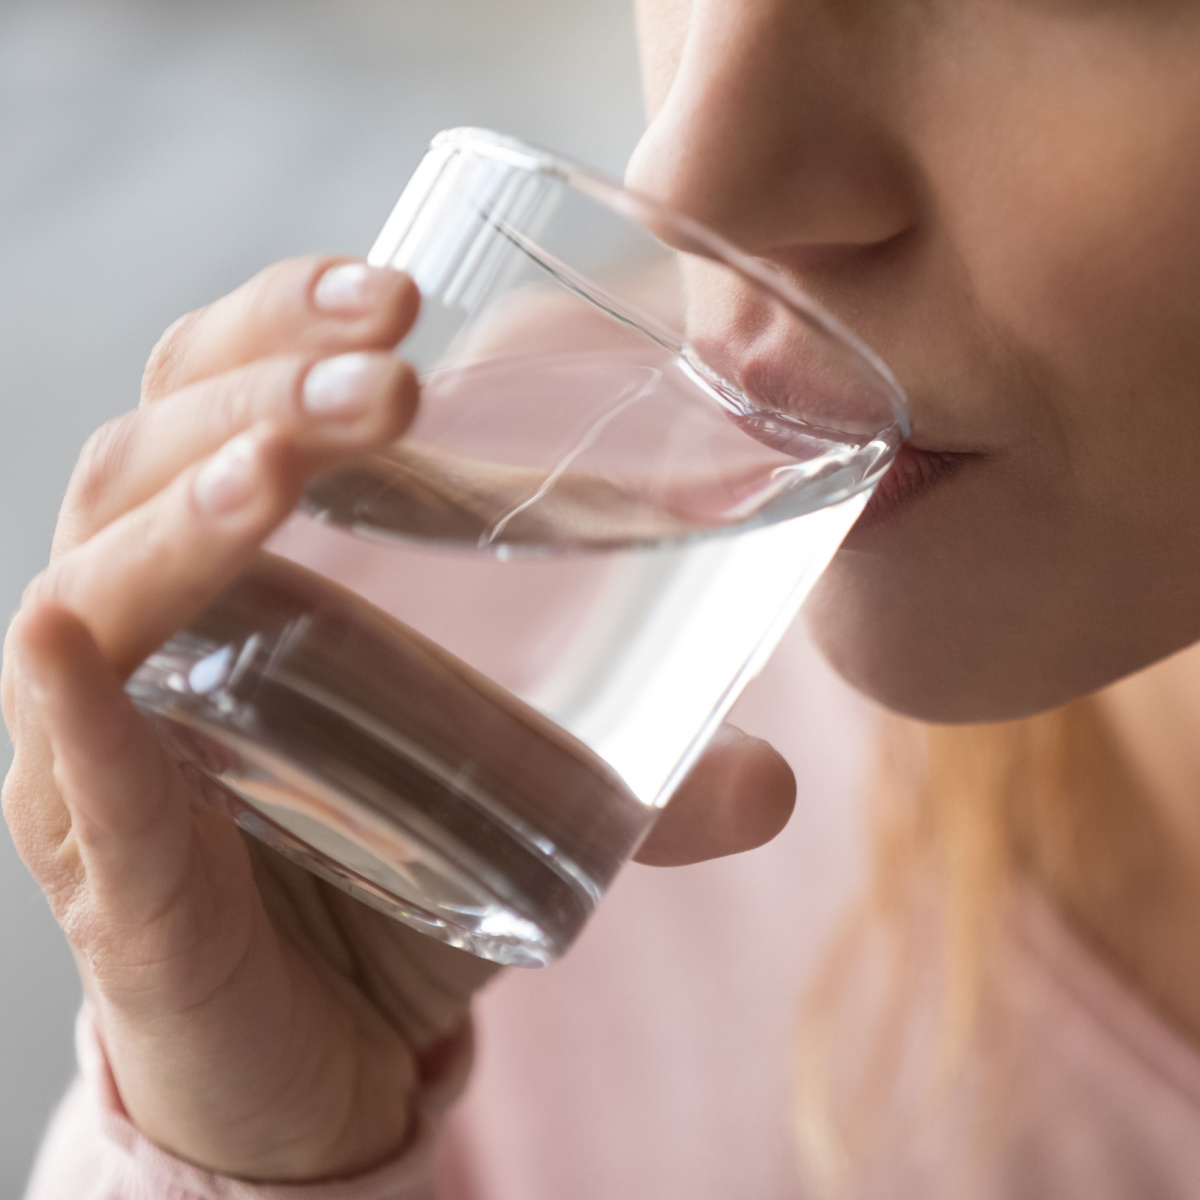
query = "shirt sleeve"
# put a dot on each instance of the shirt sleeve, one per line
(92, 1151)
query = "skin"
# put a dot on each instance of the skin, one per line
(1000, 195)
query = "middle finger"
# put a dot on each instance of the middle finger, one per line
(315, 306)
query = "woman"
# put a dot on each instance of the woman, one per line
(999, 194)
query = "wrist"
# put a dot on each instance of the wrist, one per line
(141, 1167)
(231, 1113)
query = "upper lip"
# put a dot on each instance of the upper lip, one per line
(855, 403)
(932, 425)
(851, 403)
(821, 379)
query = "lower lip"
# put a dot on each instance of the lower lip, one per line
(913, 474)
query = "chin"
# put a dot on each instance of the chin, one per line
(976, 650)
(985, 595)
(957, 659)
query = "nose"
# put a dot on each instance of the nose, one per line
(771, 129)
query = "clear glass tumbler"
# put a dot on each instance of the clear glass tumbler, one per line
(467, 675)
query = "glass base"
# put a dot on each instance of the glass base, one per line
(401, 875)
(389, 866)
(372, 757)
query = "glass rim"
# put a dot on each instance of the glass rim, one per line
(645, 210)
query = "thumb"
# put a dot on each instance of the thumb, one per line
(738, 796)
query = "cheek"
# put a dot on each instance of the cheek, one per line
(1101, 278)
(1071, 557)
(1068, 198)
(1077, 221)
(1081, 237)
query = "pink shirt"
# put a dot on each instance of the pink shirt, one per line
(655, 1061)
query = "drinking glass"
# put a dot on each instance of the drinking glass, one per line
(467, 675)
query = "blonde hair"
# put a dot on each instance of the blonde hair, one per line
(958, 813)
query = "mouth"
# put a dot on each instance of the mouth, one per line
(914, 473)
(806, 379)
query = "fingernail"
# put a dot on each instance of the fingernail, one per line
(226, 482)
(352, 288)
(343, 387)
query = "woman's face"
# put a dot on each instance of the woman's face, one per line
(1003, 198)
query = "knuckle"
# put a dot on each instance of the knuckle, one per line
(17, 800)
(163, 365)
(289, 282)
(104, 457)
(41, 832)
(41, 589)
(308, 268)
(272, 390)
(13, 793)
(65, 890)
(8, 681)
(159, 547)
(228, 403)
(263, 391)
(288, 378)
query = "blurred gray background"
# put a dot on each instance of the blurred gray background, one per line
(155, 153)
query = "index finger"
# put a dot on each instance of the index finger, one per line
(317, 304)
